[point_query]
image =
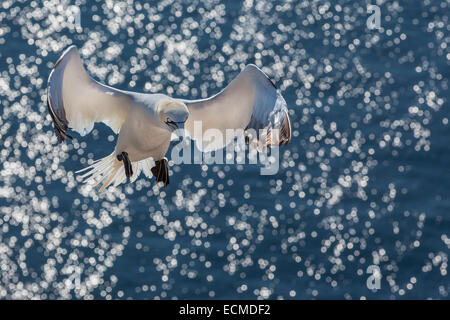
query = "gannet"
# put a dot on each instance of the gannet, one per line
(145, 122)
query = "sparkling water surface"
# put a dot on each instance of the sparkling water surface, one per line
(365, 180)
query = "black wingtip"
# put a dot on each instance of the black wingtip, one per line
(59, 126)
(253, 68)
(55, 104)
(285, 134)
(270, 80)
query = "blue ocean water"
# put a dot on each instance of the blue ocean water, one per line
(364, 181)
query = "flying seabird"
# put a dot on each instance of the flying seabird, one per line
(145, 122)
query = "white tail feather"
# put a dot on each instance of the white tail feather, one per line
(109, 170)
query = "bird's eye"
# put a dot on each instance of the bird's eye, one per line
(172, 124)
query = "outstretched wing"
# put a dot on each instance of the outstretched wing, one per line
(75, 101)
(251, 102)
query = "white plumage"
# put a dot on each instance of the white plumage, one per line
(145, 122)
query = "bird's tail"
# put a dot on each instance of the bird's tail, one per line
(109, 170)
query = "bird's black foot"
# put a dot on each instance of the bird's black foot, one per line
(126, 164)
(161, 171)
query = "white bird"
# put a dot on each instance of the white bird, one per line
(145, 122)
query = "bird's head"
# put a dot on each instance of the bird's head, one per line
(173, 114)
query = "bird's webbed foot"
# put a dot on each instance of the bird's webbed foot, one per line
(161, 171)
(126, 164)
